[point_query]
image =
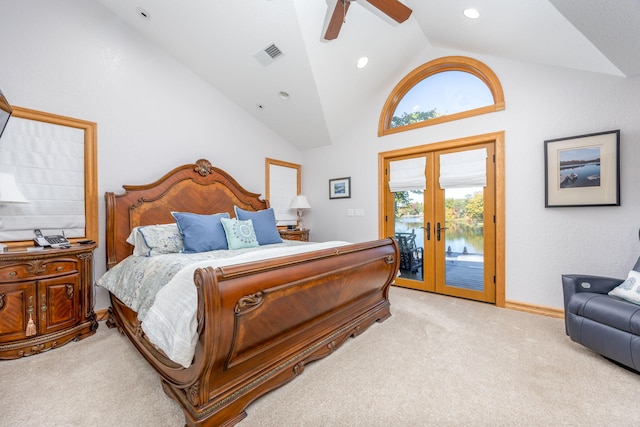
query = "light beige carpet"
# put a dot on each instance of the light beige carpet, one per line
(438, 361)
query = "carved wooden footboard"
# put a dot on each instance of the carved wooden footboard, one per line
(260, 323)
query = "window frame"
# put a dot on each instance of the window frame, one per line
(270, 190)
(90, 130)
(440, 65)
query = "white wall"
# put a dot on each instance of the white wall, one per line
(541, 103)
(74, 58)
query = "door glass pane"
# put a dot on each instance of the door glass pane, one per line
(409, 231)
(464, 240)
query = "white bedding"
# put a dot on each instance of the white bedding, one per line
(171, 323)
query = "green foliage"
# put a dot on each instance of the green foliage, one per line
(475, 207)
(404, 205)
(402, 199)
(468, 210)
(471, 208)
(415, 117)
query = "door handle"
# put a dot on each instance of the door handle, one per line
(438, 228)
(428, 229)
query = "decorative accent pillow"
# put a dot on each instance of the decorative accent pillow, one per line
(162, 239)
(140, 248)
(137, 240)
(264, 224)
(240, 234)
(629, 289)
(201, 233)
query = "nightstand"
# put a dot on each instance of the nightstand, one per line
(46, 299)
(301, 235)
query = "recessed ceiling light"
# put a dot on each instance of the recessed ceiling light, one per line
(362, 62)
(284, 95)
(142, 13)
(471, 13)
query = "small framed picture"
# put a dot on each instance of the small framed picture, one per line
(583, 170)
(340, 188)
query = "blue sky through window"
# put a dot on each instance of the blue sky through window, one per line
(580, 154)
(448, 92)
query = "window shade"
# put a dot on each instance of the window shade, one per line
(407, 175)
(283, 183)
(48, 163)
(464, 169)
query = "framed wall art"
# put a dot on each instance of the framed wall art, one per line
(583, 170)
(340, 188)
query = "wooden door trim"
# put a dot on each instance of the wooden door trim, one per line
(495, 137)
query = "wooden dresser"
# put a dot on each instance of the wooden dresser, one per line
(46, 299)
(302, 235)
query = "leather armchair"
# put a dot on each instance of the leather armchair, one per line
(606, 324)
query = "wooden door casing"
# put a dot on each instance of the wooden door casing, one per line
(386, 228)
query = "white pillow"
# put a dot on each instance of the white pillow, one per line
(149, 240)
(162, 239)
(629, 289)
(136, 240)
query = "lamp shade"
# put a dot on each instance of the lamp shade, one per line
(300, 202)
(9, 191)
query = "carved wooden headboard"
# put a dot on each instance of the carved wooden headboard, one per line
(199, 188)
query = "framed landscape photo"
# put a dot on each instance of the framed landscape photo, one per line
(583, 170)
(340, 188)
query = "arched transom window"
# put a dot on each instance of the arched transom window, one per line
(442, 90)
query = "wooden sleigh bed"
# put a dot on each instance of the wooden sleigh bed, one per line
(258, 323)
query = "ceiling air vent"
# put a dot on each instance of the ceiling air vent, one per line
(269, 54)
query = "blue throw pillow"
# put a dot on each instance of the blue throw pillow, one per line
(201, 233)
(264, 224)
(240, 234)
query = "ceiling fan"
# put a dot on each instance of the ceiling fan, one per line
(392, 8)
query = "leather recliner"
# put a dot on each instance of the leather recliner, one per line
(606, 324)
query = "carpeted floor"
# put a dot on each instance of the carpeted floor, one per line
(438, 361)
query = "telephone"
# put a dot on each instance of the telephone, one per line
(55, 241)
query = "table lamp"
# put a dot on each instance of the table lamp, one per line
(300, 203)
(9, 194)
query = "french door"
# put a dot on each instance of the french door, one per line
(447, 236)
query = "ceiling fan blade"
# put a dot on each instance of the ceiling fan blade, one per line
(337, 18)
(393, 8)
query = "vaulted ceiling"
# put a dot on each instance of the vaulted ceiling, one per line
(224, 42)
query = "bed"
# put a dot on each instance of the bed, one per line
(260, 322)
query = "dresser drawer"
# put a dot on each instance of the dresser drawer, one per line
(34, 269)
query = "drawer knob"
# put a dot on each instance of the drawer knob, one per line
(59, 268)
(13, 274)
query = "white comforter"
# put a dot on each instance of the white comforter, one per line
(171, 323)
